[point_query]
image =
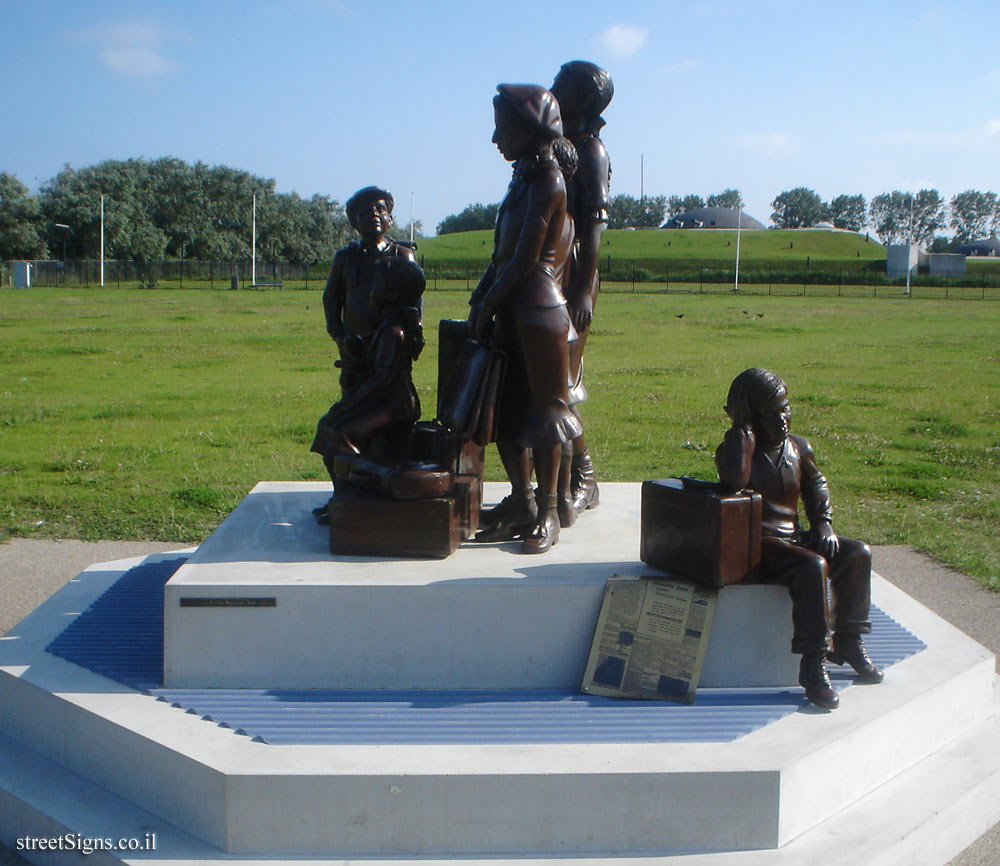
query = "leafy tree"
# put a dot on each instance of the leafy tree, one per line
(73, 198)
(849, 212)
(652, 209)
(727, 198)
(167, 208)
(678, 205)
(889, 212)
(891, 216)
(798, 208)
(230, 193)
(401, 231)
(626, 211)
(20, 221)
(929, 216)
(474, 216)
(622, 211)
(941, 244)
(973, 213)
(178, 205)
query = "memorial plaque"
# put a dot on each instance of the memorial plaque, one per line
(240, 601)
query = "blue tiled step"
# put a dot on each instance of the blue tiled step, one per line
(121, 637)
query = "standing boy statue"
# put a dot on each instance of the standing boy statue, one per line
(583, 91)
(759, 453)
(351, 317)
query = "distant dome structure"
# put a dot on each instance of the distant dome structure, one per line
(989, 247)
(712, 218)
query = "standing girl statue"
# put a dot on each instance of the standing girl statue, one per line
(519, 304)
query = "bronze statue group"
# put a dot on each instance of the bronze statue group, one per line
(535, 303)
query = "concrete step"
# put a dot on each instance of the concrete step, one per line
(926, 815)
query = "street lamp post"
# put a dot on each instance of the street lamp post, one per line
(66, 230)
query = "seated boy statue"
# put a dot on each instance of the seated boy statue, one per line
(759, 454)
(350, 316)
(387, 397)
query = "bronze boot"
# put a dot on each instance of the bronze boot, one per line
(516, 514)
(583, 483)
(546, 530)
(566, 507)
(851, 649)
(813, 677)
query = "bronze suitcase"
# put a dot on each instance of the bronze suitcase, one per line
(695, 529)
(366, 524)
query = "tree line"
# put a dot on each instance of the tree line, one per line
(624, 211)
(168, 209)
(971, 215)
(896, 215)
(165, 209)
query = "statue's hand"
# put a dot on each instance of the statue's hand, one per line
(351, 344)
(582, 313)
(740, 415)
(480, 320)
(825, 540)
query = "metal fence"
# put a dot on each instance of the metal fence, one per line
(189, 273)
(623, 278)
(714, 281)
(813, 290)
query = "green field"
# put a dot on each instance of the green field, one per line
(149, 414)
(690, 250)
(676, 244)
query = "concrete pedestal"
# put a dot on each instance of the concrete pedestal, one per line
(263, 604)
(906, 771)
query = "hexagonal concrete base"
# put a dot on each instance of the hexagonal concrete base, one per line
(912, 765)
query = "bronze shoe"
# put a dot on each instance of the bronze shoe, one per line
(514, 504)
(583, 482)
(513, 518)
(813, 677)
(544, 534)
(566, 509)
(850, 648)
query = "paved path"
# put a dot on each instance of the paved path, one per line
(32, 570)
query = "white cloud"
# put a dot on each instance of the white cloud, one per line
(992, 127)
(768, 143)
(134, 48)
(137, 60)
(623, 40)
(679, 67)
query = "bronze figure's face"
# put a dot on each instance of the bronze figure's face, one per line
(374, 218)
(772, 421)
(565, 91)
(512, 135)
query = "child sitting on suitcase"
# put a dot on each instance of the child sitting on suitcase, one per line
(758, 453)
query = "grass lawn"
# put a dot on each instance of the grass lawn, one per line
(149, 414)
(682, 247)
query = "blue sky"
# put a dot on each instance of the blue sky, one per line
(326, 96)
